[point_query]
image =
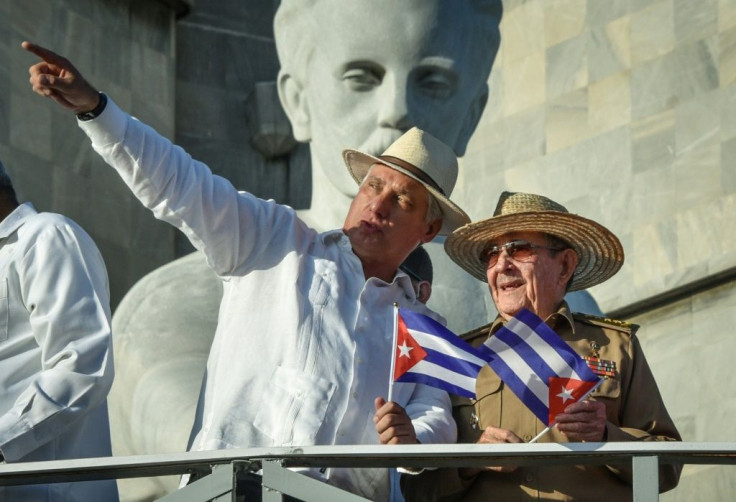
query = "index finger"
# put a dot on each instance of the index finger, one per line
(43, 53)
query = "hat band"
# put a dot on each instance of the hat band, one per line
(421, 175)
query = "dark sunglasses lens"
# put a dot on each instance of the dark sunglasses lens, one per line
(489, 256)
(520, 251)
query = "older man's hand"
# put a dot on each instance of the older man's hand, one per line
(583, 421)
(55, 77)
(393, 424)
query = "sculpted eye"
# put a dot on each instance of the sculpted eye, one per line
(437, 83)
(362, 78)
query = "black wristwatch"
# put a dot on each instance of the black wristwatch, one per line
(97, 110)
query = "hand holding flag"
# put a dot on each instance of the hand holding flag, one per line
(539, 367)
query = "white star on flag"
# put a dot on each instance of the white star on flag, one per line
(405, 349)
(565, 394)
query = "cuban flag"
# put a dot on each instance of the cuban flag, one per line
(539, 367)
(428, 353)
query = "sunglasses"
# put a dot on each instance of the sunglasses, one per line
(522, 251)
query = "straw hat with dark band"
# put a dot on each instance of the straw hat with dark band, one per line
(600, 254)
(424, 158)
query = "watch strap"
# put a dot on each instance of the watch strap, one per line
(97, 109)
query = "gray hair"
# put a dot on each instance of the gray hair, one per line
(295, 27)
(434, 210)
(5, 180)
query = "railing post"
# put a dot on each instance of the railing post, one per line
(215, 486)
(278, 480)
(646, 478)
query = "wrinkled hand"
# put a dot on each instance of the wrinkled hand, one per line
(56, 78)
(583, 421)
(393, 424)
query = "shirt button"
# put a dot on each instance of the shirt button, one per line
(355, 395)
(529, 478)
(527, 437)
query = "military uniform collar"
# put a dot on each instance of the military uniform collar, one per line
(558, 320)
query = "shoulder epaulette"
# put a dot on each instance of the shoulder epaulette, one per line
(606, 322)
(475, 333)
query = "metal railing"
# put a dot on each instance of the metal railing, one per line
(221, 468)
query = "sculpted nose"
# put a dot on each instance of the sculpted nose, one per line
(394, 105)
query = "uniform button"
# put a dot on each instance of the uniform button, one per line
(355, 395)
(529, 478)
(527, 437)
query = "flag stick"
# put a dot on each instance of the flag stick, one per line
(549, 427)
(393, 352)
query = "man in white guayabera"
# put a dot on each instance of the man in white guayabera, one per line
(303, 346)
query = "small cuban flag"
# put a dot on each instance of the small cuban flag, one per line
(426, 352)
(539, 367)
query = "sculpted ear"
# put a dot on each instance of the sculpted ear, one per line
(294, 101)
(475, 111)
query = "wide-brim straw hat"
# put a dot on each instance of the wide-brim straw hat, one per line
(422, 157)
(600, 254)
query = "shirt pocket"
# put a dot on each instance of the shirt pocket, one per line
(610, 388)
(294, 407)
(4, 309)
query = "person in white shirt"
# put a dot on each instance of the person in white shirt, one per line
(56, 364)
(303, 345)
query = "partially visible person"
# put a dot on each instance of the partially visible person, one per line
(302, 352)
(418, 266)
(531, 252)
(56, 364)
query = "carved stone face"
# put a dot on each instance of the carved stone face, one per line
(380, 67)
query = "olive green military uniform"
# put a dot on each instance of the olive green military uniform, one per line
(634, 408)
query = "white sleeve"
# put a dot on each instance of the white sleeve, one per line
(430, 410)
(227, 225)
(64, 287)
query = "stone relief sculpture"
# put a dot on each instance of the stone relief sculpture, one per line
(354, 74)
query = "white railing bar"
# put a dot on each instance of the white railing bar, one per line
(368, 455)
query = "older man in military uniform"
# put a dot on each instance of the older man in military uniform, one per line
(531, 252)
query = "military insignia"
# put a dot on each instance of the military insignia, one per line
(601, 367)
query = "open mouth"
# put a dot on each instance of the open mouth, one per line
(510, 285)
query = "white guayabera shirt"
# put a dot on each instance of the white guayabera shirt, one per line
(303, 342)
(56, 364)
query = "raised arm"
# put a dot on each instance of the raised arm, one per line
(234, 230)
